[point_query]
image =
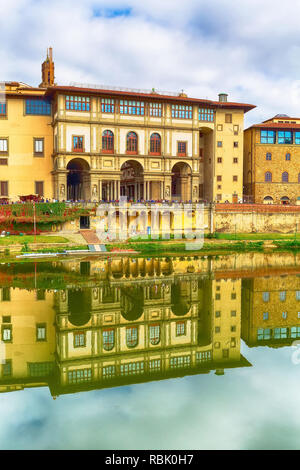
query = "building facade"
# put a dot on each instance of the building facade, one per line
(88, 143)
(271, 161)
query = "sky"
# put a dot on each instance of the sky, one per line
(248, 408)
(248, 49)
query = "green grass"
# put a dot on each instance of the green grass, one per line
(21, 239)
(156, 248)
(254, 236)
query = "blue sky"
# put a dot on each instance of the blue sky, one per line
(249, 49)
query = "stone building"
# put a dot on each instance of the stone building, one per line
(86, 142)
(271, 161)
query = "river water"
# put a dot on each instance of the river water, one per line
(151, 353)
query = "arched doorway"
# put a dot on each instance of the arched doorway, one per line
(132, 180)
(285, 200)
(78, 180)
(181, 182)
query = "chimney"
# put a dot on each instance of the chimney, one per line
(48, 70)
(223, 97)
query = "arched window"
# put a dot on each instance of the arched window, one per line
(285, 177)
(131, 337)
(155, 144)
(268, 200)
(154, 334)
(268, 177)
(108, 339)
(107, 142)
(268, 156)
(288, 156)
(132, 142)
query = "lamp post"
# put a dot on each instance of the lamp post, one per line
(34, 222)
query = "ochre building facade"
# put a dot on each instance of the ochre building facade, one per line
(94, 144)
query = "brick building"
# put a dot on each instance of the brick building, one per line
(271, 161)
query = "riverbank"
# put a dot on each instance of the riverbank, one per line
(214, 244)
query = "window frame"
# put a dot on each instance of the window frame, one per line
(269, 138)
(78, 149)
(207, 115)
(268, 177)
(5, 152)
(285, 140)
(130, 140)
(132, 108)
(108, 105)
(108, 345)
(108, 141)
(133, 341)
(157, 142)
(182, 111)
(38, 326)
(29, 103)
(79, 335)
(182, 143)
(36, 153)
(86, 100)
(9, 328)
(36, 183)
(2, 194)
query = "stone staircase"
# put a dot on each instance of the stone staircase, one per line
(93, 241)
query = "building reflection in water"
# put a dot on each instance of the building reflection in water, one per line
(79, 326)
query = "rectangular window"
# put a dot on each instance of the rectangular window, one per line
(2, 109)
(267, 137)
(282, 296)
(182, 111)
(3, 161)
(203, 356)
(219, 159)
(4, 146)
(181, 149)
(284, 315)
(107, 105)
(38, 145)
(235, 160)
(219, 178)
(263, 334)
(132, 368)
(40, 369)
(295, 332)
(233, 313)
(218, 314)
(180, 361)
(235, 129)
(235, 144)
(136, 108)
(297, 294)
(40, 294)
(38, 106)
(234, 178)
(154, 364)
(7, 333)
(220, 143)
(285, 137)
(77, 103)
(266, 316)
(7, 368)
(280, 333)
(39, 188)
(3, 188)
(297, 138)
(266, 296)
(79, 339)
(79, 376)
(228, 118)
(180, 328)
(6, 294)
(41, 332)
(155, 109)
(108, 372)
(207, 115)
(77, 143)
(233, 295)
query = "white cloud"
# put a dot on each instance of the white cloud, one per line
(248, 49)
